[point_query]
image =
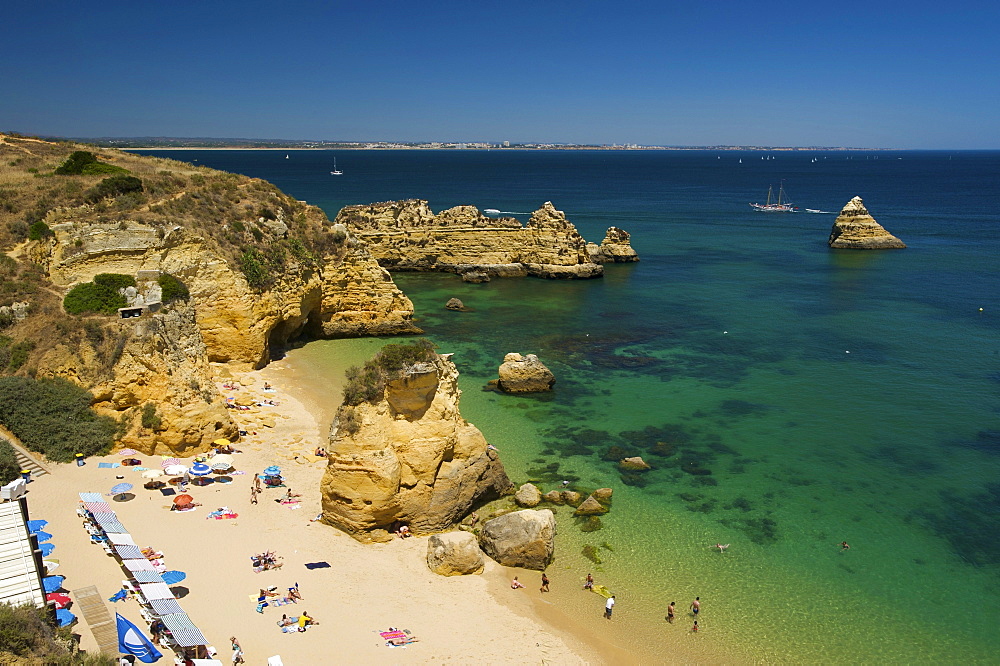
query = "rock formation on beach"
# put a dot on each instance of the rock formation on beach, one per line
(855, 229)
(258, 269)
(615, 248)
(409, 458)
(521, 539)
(408, 236)
(454, 554)
(524, 374)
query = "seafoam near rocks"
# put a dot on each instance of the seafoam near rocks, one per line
(856, 229)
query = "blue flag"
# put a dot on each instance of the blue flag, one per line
(133, 641)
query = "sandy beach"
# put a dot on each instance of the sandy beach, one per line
(365, 588)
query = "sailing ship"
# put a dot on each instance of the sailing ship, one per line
(336, 171)
(781, 205)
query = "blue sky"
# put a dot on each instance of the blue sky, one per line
(874, 74)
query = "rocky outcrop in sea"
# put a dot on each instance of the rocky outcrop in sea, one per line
(408, 236)
(524, 374)
(856, 229)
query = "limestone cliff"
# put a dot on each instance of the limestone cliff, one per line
(259, 267)
(616, 248)
(855, 229)
(408, 236)
(409, 458)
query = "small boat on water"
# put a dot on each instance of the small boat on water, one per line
(336, 171)
(491, 211)
(781, 205)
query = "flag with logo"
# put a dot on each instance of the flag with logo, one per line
(132, 641)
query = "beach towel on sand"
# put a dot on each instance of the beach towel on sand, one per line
(108, 465)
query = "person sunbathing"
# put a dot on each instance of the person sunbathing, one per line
(401, 641)
(516, 584)
(293, 594)
(285, 621)
(269, 592)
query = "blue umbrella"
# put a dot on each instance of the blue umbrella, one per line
(121, 488)
(42, 536)
(35, 525)
(52, 583)
(64, 617)
(173, 577)
(200, 469)
(46, 549)
(273, 470)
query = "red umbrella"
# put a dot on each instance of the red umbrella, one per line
(183, 499)
(61, 600)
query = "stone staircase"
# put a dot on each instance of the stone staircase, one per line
(25, 459)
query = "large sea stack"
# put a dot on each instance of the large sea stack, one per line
(409, 458)
(855, 229)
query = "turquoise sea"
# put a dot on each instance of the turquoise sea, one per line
(788, 397)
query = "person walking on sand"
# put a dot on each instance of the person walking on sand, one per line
(256, 482)
(589, 585)
(670, 613)
(545, 583)
(609, 606)
(695, 627)
(696, 606)
(237, 651)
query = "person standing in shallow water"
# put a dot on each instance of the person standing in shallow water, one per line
(670, 613)
(545, 583)
(609, 605)
(696, 606)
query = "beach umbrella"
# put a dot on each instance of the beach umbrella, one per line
(120, 488)
(170, 461)
(222, 459)
(173, 577)
(50, 565)
(58, 598)
(273, 470)
(42, 536)
(175, 469)
(200, 469)
(181, 500)
(127, 452)
(222, 442)
(46, 549)
(152, 474)
(221, 467)
(202, 481)
(36, 525)
(52, 583)
(64, 617)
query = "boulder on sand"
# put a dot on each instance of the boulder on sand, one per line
(454, 554)
(521, 539)
(528, 496)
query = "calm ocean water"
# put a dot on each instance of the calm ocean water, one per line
(788, 397)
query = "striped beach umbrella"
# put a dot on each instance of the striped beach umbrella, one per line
(170, 461)
(120, 488)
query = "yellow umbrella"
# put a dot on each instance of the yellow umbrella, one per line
(221, 442)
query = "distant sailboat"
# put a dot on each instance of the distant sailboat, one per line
(286, 157)
(780, 206)
(741, 160)
(336, 172)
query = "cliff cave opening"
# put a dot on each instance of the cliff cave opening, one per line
(289, 333)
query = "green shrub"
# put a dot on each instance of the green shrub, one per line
(113, 186)
(367, 384)
(39, 230)
(171, 288)
(28, 636)
(255, 269)
(100, 168)
(100, 296)
(9, 468)
(75, 163)
(53, 416)
(19, 353)
(150, 419)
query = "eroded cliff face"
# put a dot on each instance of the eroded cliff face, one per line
(410, 458)
(156, 360)
(348, 295)
(616, 248)
(407, 235)
(856, 229)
